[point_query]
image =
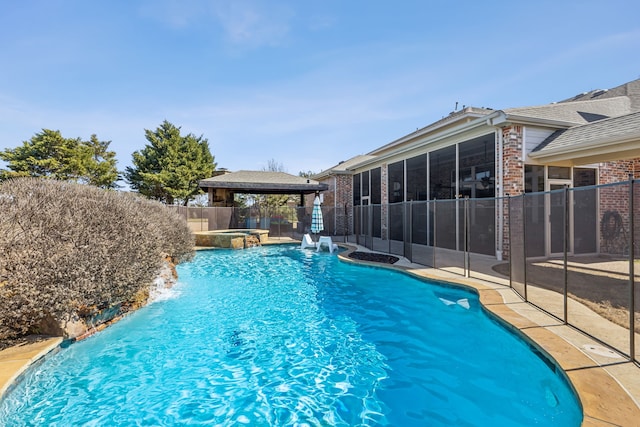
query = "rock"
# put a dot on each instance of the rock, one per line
(237, 243)
(80, 325)
(251, 241)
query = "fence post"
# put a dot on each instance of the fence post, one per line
(465, 216)
(510, 240)
(524, 243)
(345, 223)
(632, 301)
(356, 223)
(408, 230)
(566, 250)
(370, 226)
(388, 224)
(435, 228)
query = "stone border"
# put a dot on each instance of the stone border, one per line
(604, 401)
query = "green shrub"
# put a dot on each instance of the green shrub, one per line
(68, 248)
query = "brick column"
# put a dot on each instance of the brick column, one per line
(343, 195)
(513, 162)
(513, 175)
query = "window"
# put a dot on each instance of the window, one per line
(417, 178)
(376, 187)
(477, 167)
(533, 178)
(396, 182)
(557, 172)
(365, 184)
(442, 167)
(583, 177)
(356, 189)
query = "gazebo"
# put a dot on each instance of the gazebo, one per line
(222, 188)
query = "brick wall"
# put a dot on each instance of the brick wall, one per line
(340, 193)
(513, 161)
(615, 201)
(618, 170)
(513, 169)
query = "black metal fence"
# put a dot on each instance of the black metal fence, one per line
(571, 252)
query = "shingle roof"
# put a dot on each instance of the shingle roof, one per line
(611, 129)
(460, 116)
(630, 89)
(576, 112)
(263, 182)
(592, 108)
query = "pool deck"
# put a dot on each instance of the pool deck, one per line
(608, 386)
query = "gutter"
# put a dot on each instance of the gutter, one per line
(430, 128)
(503, 119)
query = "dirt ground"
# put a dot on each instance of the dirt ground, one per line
(600, 283)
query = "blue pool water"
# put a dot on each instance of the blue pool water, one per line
(281, 336)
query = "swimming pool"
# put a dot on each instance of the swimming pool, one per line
(281, 336)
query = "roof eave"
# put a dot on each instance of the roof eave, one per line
(504, 119)
(265, 189)
(431, 128)
(331, 172)
(600, 150)
(480, 121)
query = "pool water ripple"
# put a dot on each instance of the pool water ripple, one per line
(280, 336)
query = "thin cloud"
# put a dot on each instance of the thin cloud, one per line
(175, 14)
(254, 24)
(243, 23)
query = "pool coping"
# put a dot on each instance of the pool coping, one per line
(605, 401)
(14, 361)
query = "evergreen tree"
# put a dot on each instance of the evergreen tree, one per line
(170, 166)
(100, 164)
(48, 154)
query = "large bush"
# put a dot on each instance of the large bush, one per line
(68, 248)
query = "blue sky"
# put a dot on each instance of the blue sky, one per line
(306, 83)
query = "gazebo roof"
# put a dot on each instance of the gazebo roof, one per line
(263, 182)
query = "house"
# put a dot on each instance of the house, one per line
(481, 153)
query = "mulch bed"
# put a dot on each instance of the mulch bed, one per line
(374, 257)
